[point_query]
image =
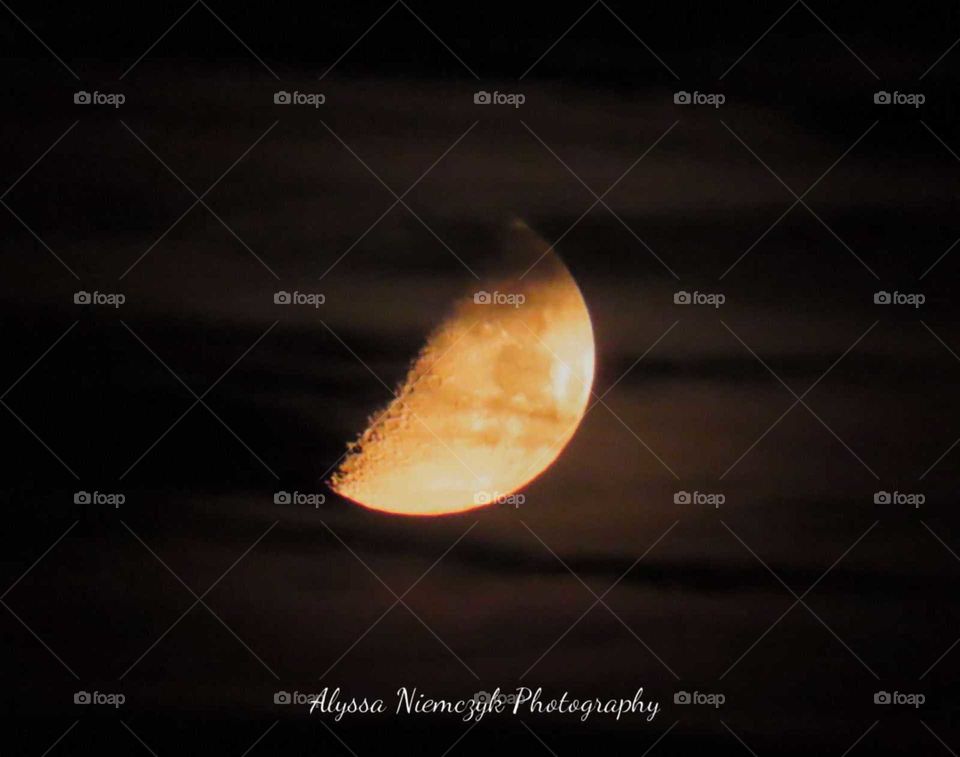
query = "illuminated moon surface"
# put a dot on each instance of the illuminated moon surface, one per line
(491, 400)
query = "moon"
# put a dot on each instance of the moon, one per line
(490, 401)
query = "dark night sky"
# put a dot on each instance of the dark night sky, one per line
(286, 394)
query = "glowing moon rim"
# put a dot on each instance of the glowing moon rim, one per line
(491, 400)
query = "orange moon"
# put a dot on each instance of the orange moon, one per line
(491, 400)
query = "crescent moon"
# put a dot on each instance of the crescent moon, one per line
(490, 402)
